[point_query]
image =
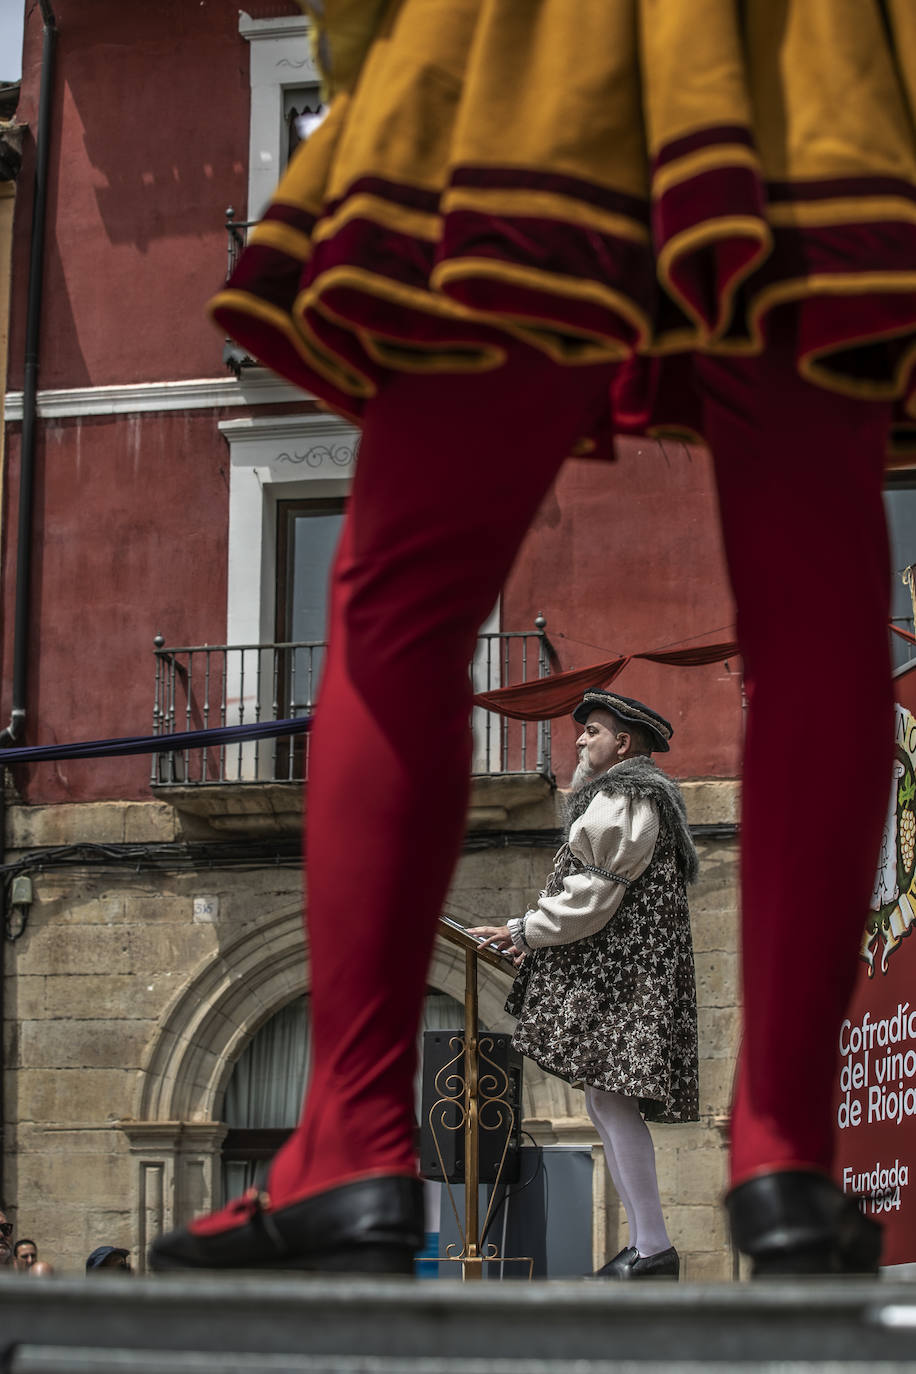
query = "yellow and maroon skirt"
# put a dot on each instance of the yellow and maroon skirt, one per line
(622, 180)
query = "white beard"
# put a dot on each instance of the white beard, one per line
(582, 775)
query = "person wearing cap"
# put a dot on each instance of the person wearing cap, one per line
(108, 1258)
(606, 994)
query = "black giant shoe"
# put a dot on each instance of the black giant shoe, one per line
(630, 1264)
(369, 1226)
(799, 1222)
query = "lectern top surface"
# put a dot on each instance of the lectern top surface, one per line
(457, 934)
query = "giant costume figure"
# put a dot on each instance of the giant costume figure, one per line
(526, 224)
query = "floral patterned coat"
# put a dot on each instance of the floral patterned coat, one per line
(617, 1009)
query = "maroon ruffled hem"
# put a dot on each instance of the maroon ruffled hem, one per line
(362, 303)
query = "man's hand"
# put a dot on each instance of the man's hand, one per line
(499, 938)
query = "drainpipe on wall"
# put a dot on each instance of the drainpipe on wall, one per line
(14, 731)
(16, 728)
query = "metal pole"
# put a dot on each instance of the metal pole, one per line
(472, 1268)
(21, 614)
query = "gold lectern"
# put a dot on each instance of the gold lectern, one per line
(475, 1093)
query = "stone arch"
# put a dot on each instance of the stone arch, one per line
(234, 992)
(175, 1133)
(211, 1019)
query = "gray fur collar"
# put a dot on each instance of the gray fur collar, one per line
(640, 777)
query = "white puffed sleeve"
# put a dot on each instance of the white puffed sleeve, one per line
(614, 841)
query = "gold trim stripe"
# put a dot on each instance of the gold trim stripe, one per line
(272, 234)
(845, 210)
(822, 284)
(722, 155)
(548, 335)
(311, 352)
(701, 236)
(388, 354)
(398, 294)
(386, 289)
(399, 218)
(521, 203)
(340, 372)
(537, 280)
(567, 349)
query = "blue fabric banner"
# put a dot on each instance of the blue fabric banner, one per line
(155, 744)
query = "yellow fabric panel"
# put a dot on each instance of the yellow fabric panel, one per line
(693, 67)
(816, 118)
(562, 97)
(344, 31)
(404, 109)
(598, 91)
(902, 19)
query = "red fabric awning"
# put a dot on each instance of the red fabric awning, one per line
(548, 697)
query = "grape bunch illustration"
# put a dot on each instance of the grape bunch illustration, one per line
(907, 823)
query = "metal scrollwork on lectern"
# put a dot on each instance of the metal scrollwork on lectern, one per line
(490, 1103)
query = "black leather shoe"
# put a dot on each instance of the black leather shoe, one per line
(800, 1222)
(370, 1226)
(630, 1264)
(616, 1267)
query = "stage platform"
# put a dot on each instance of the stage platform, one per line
(293, 1325)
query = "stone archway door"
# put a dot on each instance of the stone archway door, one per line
(174, 1133)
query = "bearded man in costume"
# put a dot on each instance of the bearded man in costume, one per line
(606, 994)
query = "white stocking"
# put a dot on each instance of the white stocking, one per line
(630, 1157)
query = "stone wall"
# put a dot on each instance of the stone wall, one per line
(131, 994)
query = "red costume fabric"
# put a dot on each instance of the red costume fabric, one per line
(524, 223)
(421, 562)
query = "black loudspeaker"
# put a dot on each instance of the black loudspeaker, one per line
(500, 1115)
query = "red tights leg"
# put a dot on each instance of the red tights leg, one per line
(799, 474)
(451, 471)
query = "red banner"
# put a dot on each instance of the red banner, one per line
(876, 1077)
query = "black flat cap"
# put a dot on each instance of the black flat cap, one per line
(104, 1252)
(628, 709)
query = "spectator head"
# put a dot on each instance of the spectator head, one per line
(108, 1257)
(41, 1269)
(25, 1253)
(6, 1240)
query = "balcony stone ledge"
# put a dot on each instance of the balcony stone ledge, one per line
(252, 808)
(498, 801)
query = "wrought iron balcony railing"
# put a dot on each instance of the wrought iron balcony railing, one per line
(236, 238)
(204, 685)
(235, 357)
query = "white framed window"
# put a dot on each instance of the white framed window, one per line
(307, 460)
(284, 84)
